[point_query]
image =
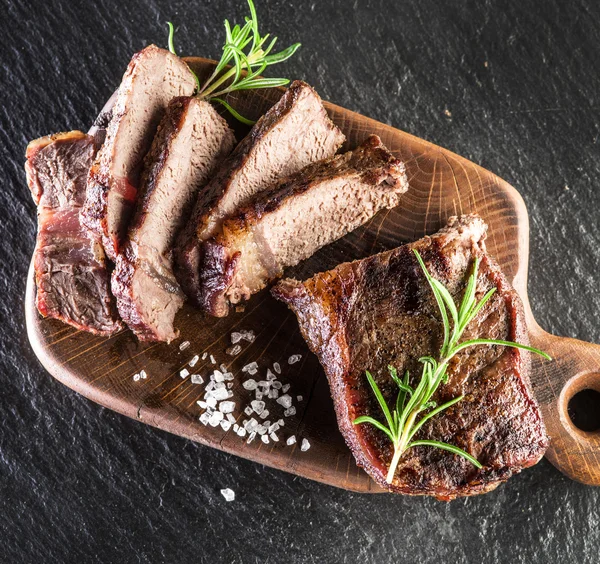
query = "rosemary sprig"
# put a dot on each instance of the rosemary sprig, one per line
(248, 54)
(414, 407)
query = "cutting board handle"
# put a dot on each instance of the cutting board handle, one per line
(575, 367)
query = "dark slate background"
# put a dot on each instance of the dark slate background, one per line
(511, 85)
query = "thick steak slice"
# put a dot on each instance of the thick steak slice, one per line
(154, 76)
(190, 142)
(70, 270)
(295, 132)
(371, 313)
(289, 223)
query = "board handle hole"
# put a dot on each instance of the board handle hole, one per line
(584, 410)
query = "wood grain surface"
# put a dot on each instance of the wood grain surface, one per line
(442, 184)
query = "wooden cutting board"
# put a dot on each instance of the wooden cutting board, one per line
(442, 184)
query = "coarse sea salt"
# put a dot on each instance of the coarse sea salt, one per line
(273, 437)
(184, 373)
(299, 398)
(194, 361)
(184, 345)
(227, 406)
(143, 374)
(291, 440)
(290, 411)
(265, 439)
(212, 359)
(285, 388)
(277, 367)
(234, 350)
(285, 401)
(250, 384)
(228, 494)
(294, 358)
(197, 379)
(258, 406)
(204, 356)
(251, 368)
(136, 377)
(305, 445)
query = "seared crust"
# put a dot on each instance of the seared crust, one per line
(202, 225)
(370, 167)
(70, 270)
(378, 311)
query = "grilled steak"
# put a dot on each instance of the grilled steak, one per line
(70, 271)
(371, 313)
(154, 76)
(289, 223)
(191, 140)
(296, 131)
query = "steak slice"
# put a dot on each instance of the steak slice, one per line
(70, 271)
(295, 132)
(190, 142)
(380, 311)
(304, 212)
(154, 76)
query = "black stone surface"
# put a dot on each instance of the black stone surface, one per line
(511, 85)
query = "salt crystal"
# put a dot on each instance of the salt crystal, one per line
(251, 425)
(235, 427)
(273, 394)
(251, 368)
(285, 388)
(136, 377)
(291, 440)
(212, 359)
(299, 398)
(251, 437)
(270, 375)
(184, 373)
(249, 384)
(248, 336)
(258, 406)
(305, 445)
(241, 432)
(215, 418)
(143, 374)
(211, 402)
(277, 367)
(229, 394)
(197, 379)
(223, 368)
(281, 422)
(248, 410)
(184, 345)
(261, 429)
(225, 425)
(218, 376)
(230, 418)
(294, 358)
(274, 437)
(220, 394)
(258, 395)
(204, 355)
(264, 414)
(277, 385)
(235, 338)
(226, 406)
(285, 401)
(204, 418)
(290, 411)
(265, 439)
(274, 427)
(228, 494)
(233, 351)
(229, 385)
(210, 386)
(194, 361)
(202, 404)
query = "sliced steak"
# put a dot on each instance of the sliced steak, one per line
(154, 76)
(380, 311)
(70, 271)
(191, 140)
(295, 132)
(289, 223)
